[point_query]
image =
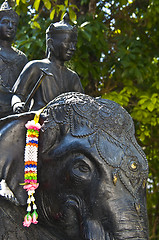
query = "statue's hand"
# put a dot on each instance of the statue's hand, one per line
(19, 107)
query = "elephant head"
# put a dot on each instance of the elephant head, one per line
(91, 171)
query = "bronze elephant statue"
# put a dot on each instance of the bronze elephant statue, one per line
(91, 173)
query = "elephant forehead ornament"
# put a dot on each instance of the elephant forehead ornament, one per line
(100, 120)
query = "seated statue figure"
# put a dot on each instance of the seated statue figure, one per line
(61, 39)
(12, 60)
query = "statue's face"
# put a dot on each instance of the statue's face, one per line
(8, 28)
(64, 46)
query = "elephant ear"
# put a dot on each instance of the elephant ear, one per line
(12, 145)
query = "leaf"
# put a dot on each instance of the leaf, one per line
(130, 1)
(145, 114)
(154, 100)
(147, 133)
(52, 14)
(66, 3)
(118, 31)
(72, 15)
(73, 6)
(156, 84)
(36, 4)
(140, 102)
(61, 7)
(87, 35)
(63, 13)
(153, 121)
(151, 106)
(155, 95)
(84, 24)
(145, 104)
(17, 2)
(47, 4)
(35, 17)
(36, 25)
(142, 137)
(123, 2)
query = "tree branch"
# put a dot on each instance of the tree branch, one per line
(92, 6)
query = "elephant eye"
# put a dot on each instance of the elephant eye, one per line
(82, 167)
(81, 170)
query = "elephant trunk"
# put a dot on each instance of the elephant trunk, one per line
(130, 223)
(133, 232)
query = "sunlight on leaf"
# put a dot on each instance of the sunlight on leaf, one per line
(47, 4)
(17, 2)
(84, 24)
(66, 3)
(118, 31)
(35, 25)
(151, 106)
(36, 4)
(52, 14)
(72, 15)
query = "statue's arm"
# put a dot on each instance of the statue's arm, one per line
(24, 84)
(24, 61)
(77, 86)
(26, 80)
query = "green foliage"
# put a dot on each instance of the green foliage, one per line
(117, 57)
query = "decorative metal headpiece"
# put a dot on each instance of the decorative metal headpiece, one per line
(61, 27)
(5, 9)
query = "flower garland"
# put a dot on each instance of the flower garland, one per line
(30, 176)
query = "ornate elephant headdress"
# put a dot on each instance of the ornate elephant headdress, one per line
(107, 126)
(6, 10)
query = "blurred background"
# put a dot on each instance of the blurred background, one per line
(117, 57)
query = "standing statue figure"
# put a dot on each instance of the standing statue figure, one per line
(12, 60)
(61, 39)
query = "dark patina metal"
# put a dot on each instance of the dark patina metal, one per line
(61, 39)
(12, 60)
(91, 172)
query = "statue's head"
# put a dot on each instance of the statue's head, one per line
(8, 22)
(61, 39)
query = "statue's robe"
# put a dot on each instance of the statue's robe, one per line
(11, 64)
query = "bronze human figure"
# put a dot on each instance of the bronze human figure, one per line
(12, 60)
(61, 39)
(91, 173)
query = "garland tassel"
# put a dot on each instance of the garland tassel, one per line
(30, 175)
